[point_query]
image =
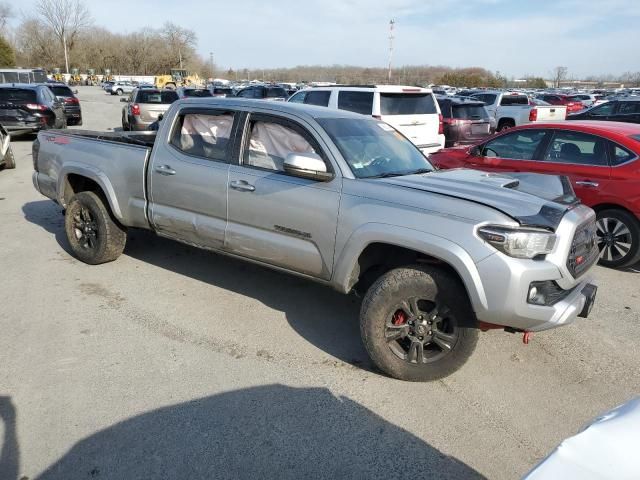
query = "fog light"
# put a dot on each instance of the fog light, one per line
(536, 297)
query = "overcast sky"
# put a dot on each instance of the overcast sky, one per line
(516, 37)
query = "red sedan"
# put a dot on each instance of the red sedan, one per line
(600, 158)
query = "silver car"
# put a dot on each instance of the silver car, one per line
(122, 87)
(144, 106)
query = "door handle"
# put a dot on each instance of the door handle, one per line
(587, 183)
(242, 186)
(165, 170)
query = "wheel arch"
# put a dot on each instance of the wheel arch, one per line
(383, 247)
(79, 179)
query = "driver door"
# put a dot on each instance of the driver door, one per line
(274, 217)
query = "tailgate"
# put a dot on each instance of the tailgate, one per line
(551, 112)
(149, 111)
(420, 129)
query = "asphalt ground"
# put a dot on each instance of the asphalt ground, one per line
(173, 362)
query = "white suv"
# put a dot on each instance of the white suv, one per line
(413, 111)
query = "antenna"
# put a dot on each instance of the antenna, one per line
(392, 22)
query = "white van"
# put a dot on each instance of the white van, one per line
(413, 111)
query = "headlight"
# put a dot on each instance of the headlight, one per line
(519, 243)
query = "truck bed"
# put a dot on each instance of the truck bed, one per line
(116, 161)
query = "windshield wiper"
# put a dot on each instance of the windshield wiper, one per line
(401, 174)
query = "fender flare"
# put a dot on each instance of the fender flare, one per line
(432, 245)
(91, 173)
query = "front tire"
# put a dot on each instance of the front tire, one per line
(9, 159)
(618, 234)
(95, 237)
(417, 324)
(119, 92)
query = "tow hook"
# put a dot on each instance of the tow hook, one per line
(526, 337)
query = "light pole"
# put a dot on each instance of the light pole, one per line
(391, 37)
(211, 60)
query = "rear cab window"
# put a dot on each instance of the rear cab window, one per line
(514, 100)
(407, 104)
(357, 102)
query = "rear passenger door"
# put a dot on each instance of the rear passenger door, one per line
(188, 177)
(274, 217)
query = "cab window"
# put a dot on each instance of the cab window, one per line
(270, 143)
(521, 145)
(204, 135)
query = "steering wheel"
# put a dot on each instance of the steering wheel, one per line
(489, 149)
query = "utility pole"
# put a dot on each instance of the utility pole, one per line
(66, 55)
(392, 22)
(211, 60)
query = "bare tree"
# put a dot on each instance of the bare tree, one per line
(67, 19)
(559, 74)
(179, 40)
(6, 12)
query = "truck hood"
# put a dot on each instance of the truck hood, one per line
(534, 200)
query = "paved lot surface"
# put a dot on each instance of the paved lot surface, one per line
(177, 363)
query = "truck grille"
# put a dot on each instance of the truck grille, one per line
(584, 249)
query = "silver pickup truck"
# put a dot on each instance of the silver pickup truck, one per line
(342, 199)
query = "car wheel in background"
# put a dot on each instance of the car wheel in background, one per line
(119, 91)
(9, 159)
(618, 234)
(94, 235)
(505, 124)
(417, 323)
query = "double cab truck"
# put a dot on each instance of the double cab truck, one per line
(511, 109)
(342, 199)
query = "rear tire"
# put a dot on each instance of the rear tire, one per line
(119, 92)
(9, 159)
(94, 235)
(417, 324)
(618, 238)
(505, 124)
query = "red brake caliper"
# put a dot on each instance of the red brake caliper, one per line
(399, 318)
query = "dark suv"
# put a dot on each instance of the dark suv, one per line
(619, 110)
(71, 103)
(264, 92)
(465, 120)
(28, 108)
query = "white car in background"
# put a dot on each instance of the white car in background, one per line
(121, 87)
(413, 111)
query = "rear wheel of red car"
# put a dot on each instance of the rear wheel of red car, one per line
(618, 238)
(417, 323)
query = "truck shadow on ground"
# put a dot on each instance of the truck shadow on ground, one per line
(325, 318)
(269, 432)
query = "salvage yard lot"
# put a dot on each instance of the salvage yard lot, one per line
(173, 361)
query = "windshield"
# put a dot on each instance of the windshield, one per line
(149, 96)
(373, 148)
(17, 96)
(197, 93)
(407, 104)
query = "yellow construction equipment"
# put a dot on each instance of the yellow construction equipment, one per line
(178, 78)
(107, 77)
(57, 76)
(75, 78)
(92, 78)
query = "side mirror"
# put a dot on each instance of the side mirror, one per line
(307, 165)
(124, 99)
(475, 151)
(160, 117)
